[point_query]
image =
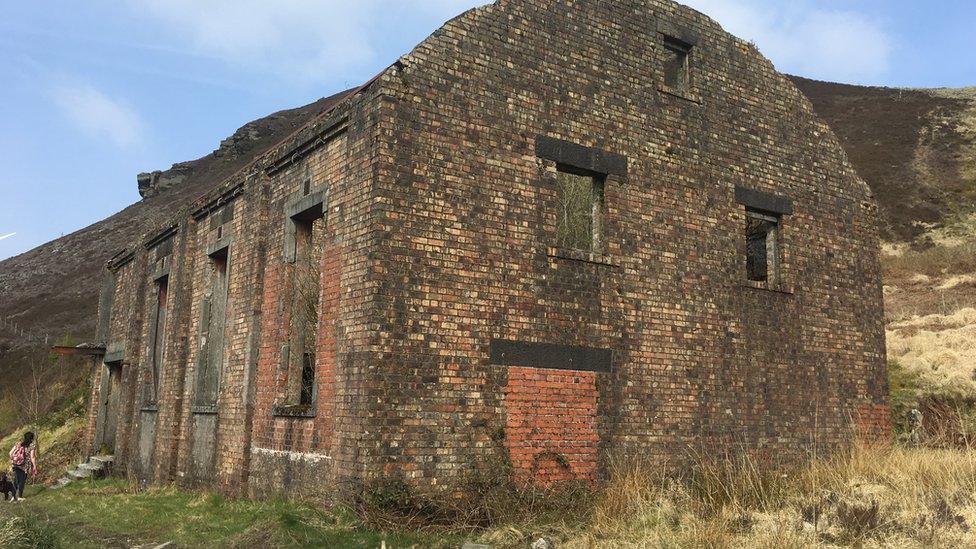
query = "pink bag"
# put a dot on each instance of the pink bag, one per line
(18, 455)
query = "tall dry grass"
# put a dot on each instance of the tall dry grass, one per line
(868, 497)
(940, 349)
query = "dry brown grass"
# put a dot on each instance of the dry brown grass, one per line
(869, 497)
(936, 261)
(940, 349)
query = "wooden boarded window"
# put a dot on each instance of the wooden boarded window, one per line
(213, 315)
(157, 342)
(579, 223)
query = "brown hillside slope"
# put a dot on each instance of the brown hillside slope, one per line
(913, 147)
(53, 288)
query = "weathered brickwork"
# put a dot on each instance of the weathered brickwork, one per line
(450, 327)
(550, 428)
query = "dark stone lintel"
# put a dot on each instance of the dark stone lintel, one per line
(585, 158)
(766, 202)
(550, 356)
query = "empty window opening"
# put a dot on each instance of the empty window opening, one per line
(308, 379)
(213, 314)
(158, 340)
(309, 240)
(579, 223)
(677, 61)
(762, 247)
(307, 180)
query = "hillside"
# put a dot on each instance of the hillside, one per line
(915, 148)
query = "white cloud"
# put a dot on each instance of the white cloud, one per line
(838, 45)
(300, 39)
(99, 115)
(8, 235)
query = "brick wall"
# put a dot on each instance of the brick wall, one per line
(701, 357)
(550, 424)
(301, 454)
(125, 329)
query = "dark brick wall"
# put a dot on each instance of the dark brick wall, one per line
(700, 356)
(440, 237)
(125, 340)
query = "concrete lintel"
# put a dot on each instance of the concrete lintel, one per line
(219, 245)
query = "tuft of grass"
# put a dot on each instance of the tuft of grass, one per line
(939, 351)
(19, 532)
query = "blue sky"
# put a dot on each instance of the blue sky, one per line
(94, 92)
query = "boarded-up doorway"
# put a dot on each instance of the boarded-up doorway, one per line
(111, 391)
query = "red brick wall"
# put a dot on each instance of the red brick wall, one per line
(550, 424)
(873, 423)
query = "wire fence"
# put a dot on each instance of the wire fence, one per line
(23, 334)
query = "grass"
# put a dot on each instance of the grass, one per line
(112, 513)
(871, 496)
(938, 260)
(940, 350)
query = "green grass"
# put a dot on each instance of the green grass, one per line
(112, 513)
(904, 386)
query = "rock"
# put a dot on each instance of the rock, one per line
(542, 543)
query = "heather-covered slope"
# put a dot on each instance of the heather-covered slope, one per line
(53, 288)
(915, 148)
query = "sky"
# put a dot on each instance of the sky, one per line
(95, 92)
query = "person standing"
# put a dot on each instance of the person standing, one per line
(23, 458)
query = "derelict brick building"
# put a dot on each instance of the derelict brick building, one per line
(555, 232)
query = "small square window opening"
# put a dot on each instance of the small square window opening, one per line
(762, 247)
